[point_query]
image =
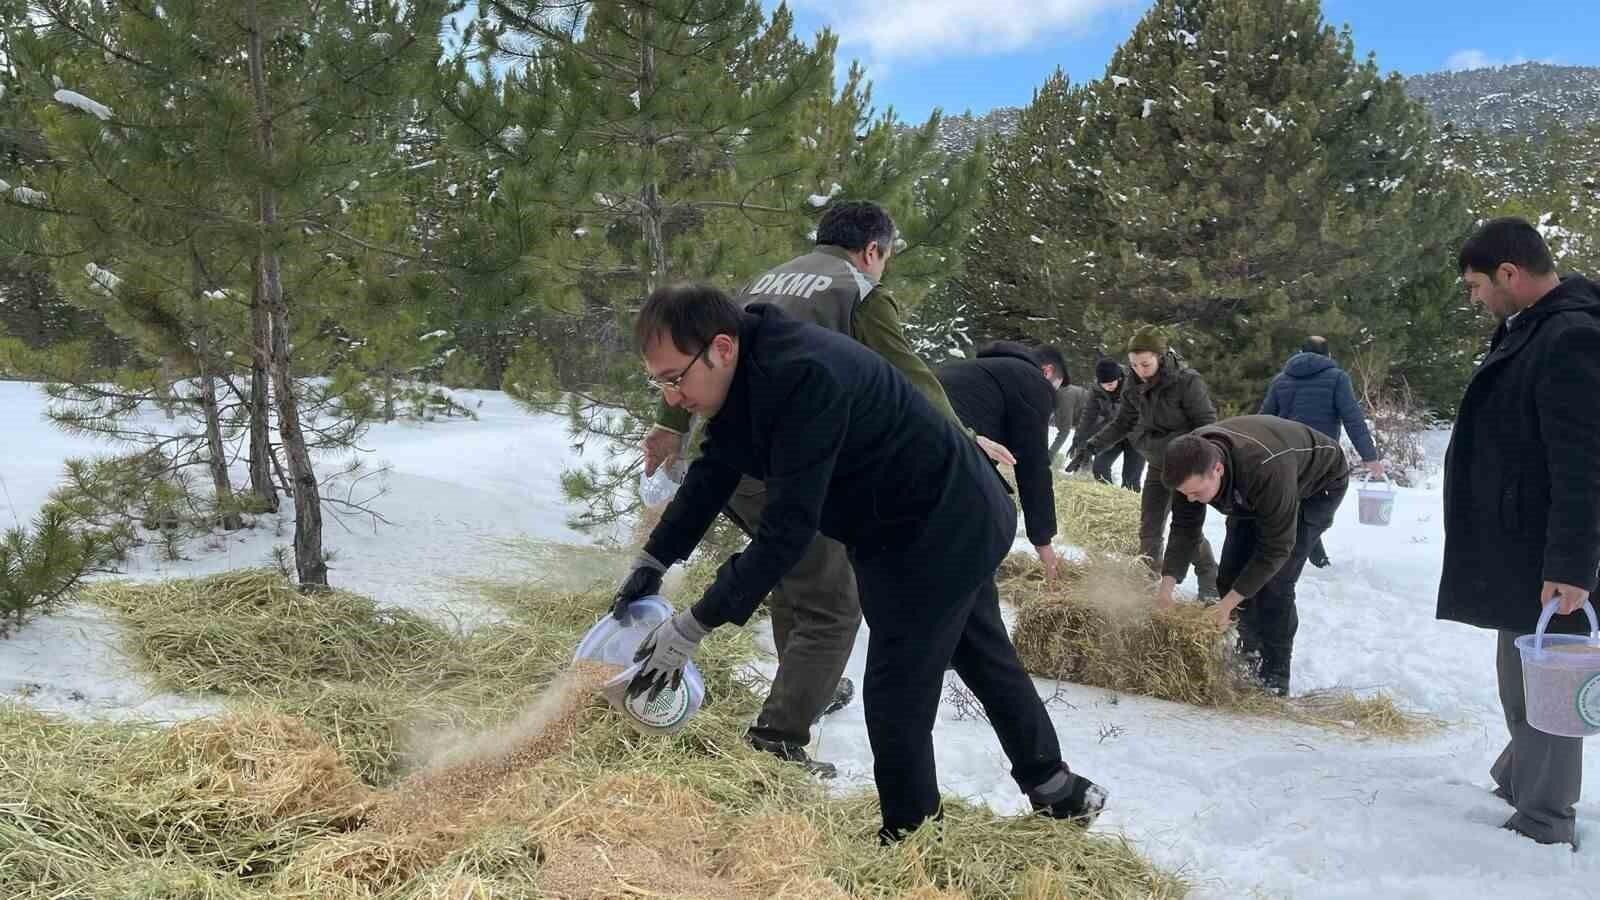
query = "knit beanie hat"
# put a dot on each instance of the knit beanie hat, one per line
(1148, 340)
(1107, 371)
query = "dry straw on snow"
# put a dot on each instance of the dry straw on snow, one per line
(295, 795)
(1098, 626)
(1097, 516)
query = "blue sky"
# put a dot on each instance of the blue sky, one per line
(978, 54)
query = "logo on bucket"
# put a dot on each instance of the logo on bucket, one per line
(667, 709)
(1589, 702)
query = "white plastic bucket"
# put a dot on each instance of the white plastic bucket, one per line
(613, 642)
(1374, 506)
(1561, 678)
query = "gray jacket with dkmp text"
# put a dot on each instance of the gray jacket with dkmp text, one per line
(821, 287)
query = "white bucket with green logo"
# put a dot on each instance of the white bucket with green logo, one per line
(612, 641)
(1561, 678)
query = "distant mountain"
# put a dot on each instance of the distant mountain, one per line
(1521, 100)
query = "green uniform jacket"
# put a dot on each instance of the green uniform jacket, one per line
(824, 288)
(1268, 466)
(1154, 412)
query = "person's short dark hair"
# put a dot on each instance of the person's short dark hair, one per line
(1051, 356)
(1315, 344)
(1188, 455)
(1505, 240)
(692, 314)
(853, 224)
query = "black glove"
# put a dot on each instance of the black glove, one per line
(1079, 458)
(644, 580)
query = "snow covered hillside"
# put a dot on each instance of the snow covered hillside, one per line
(1240, 807)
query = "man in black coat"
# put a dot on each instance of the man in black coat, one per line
(1522, 495)
(1104, 400)
(847, 447)
(1008, 393)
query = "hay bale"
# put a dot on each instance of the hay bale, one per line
(1097, 516)
(1098, 625)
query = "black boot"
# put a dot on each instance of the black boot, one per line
(791, 752)
(1070, 797)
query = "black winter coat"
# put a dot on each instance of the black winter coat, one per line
(848, 447)
(1313, 390)
(1522, 475)
(1002, 395)
(1101, 408)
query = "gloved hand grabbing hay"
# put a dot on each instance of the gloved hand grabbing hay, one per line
(1079, 458)
(665, 652)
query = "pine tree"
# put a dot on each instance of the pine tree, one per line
(1017, 271)
(1240, 179)
(42, 566)
(638, 143)
(239, 134)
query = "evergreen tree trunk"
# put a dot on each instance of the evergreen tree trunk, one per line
(310, 566)
(650, 196)
(261, 482)
(227, 509)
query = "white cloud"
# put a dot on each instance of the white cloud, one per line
(1473, 58)
(912, 28)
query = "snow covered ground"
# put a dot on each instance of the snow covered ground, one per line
(1241, 807)
(458, 495)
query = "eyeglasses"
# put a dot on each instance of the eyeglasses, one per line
(675, 383)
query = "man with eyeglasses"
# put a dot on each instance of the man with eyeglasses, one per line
(815, 608)
(846, 447)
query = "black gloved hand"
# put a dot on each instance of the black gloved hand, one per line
(644, 580)
(1078, 459)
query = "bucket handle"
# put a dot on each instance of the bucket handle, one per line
(1366, 479)
(1550, 610)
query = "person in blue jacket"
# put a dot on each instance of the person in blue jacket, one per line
(1314, 391)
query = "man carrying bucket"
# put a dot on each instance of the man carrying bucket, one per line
(849, 448)
(1522, 496)
(1313, 390)
(1279, 483)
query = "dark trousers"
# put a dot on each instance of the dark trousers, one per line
(1132, 464)
(815, 614)
(1540, 774)
(1155, 504)
(912, 640)
(1268, 621)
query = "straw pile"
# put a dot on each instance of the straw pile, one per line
(571, 801)
(1098, 626)
(1097, 516)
